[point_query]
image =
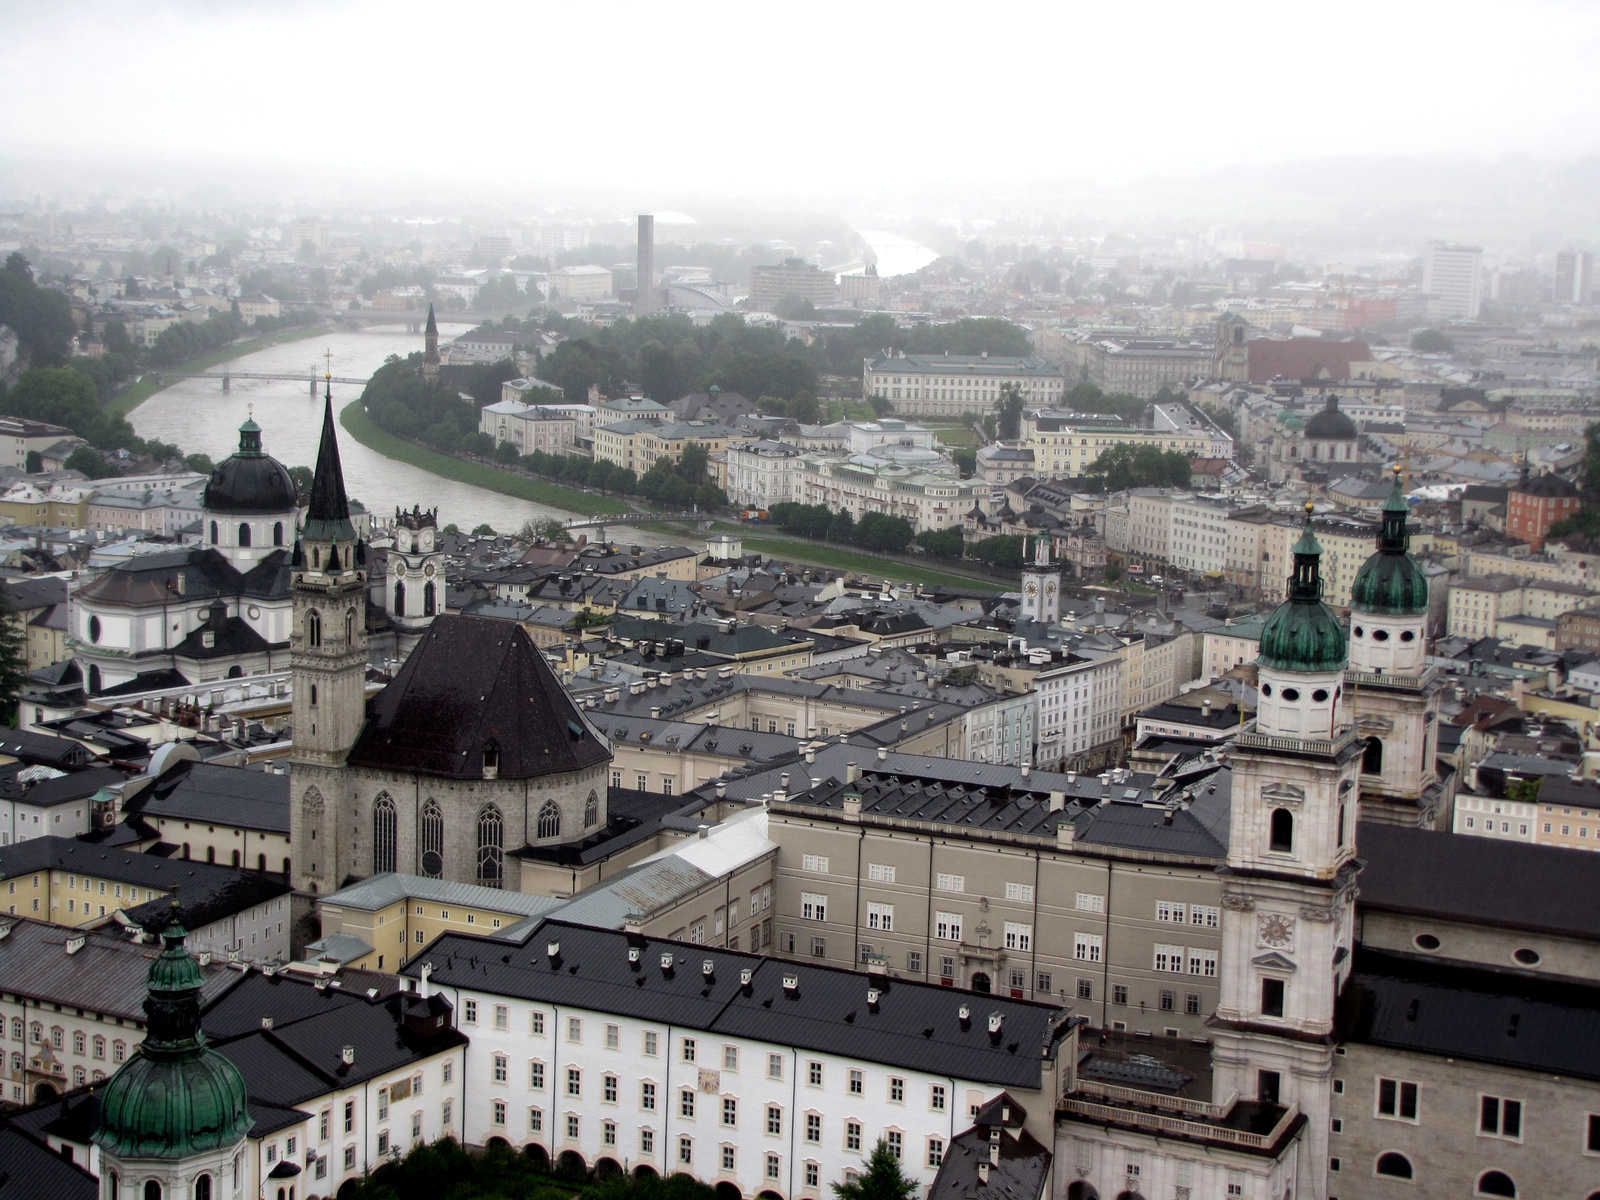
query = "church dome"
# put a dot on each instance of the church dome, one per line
(175, 1097)
(1390, 580)
(249, 481)
(1302, 634)
(1330, 424)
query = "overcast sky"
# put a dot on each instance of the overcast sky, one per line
(798, 98)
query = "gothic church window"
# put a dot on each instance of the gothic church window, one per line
(491, 855)
(550, 820)
(591, 810)
(313, 628)
(383, 835)
(428, 601)
(432, 840)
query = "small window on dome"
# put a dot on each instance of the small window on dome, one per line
(1380, 635)
(1426, 941)
(1526, 957)
(1320, 695)
(1360, 632)
(1291, 694)
(1407, 635)
(1266, 689)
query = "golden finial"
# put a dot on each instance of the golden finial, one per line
(328, 356)
(1310, 508)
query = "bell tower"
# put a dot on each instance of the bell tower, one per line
(1289, 884)
(328, 659)
(1041, 585)
(430, 349)
(1394, 693)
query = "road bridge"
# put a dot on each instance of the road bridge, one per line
(227, 377)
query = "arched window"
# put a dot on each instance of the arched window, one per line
(211, 854)
(383, 835)
(1282, 838)
(202, 1188)
(186, 850)
(591, 810)
(1395, 1166)
(1496, 1183)
(94, 629)
(428, 602)
(313, 628)
(94, 680)
(550, 820)
(152, 1190)
(349, 627)
(113, 1186)
(316, 558)
(244, 533)
(432, 840)
(1344, 833)
(213, 533)
(491, 855)
(399, 597)
(277, 533)
(1372, 760)
(261, 863)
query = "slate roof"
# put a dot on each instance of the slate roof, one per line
(32, 1169)
(1438, 1009)
(1483, 881)
(106, 976)
(1021, 1174)
(43, 748)
(64, 789)
(380, 891)
(195, 791)
(470, 681)
(916, 1027)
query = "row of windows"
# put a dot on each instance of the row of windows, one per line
(814, 907)
(81, 1042)
(609, 1084)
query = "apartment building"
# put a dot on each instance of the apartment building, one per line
(1065, 445)
(1536, 504)
(1496, 605)
(1198, 542)
(1080, 713)
(1143, 366)
(1155, 666)
(862, 485)
(1231, 645)
(770, 285)
(950, 385)
(1150, 526)
(1453, 281)
(580, 284)
(529, 427)
(18, 436)
(637, 444)
(600, 1048)
(761, 473)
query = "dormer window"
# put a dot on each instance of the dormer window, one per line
(491, 759)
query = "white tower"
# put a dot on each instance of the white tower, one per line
(414, 594)
(1289, 886)
(1041, 585)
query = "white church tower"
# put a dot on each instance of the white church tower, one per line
(1041, 585)
(1289, 885)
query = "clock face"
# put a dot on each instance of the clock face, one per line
(399, 567)
(1033, 589)
(1276, 931)
(429, 570)
(1050, 588)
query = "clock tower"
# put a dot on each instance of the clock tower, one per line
(414, 592)
(1289, 885)
(1041, 585)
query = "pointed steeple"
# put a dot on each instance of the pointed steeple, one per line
(328, 516)
(432, 327)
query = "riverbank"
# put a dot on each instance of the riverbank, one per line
(358, 425)
(135, 394)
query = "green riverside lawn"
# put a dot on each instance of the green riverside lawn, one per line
(524, 487)
(130, 398)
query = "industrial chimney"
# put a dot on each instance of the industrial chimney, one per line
(644, 300)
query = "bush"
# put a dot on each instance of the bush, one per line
(1002, 551)
(942, 543)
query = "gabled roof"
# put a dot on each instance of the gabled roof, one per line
(470, 684)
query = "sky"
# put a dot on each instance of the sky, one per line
(784, 100)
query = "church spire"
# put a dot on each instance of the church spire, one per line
(328, 516)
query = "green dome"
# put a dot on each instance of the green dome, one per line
(1302, 634)
(176, 1097)
(1292, 419)
(1390, 581)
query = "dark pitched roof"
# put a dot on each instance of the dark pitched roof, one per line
(1439, 1009)
(195, 791)
(1484, 881)
(328, 514)
(469, 682)
(917, 1025)
(1021, 1173)
(43, 749)
(1549, 485)
(64, 789)
(31, 1169)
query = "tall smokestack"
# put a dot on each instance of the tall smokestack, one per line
(645, 300)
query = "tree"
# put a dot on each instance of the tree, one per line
(1002, 551)
(1525, 791)
(659, 378)
(546, 529)
(1126, 465)
(13, 657)
(200, 464)
(87, 460)
(33, 463)
(506, 454)
(966, 460)
(1584, 523)
(692, 463)
(882, 1180)
(484, 530)
(1432, 341)
(1008, 412)
(883, 533)
(942, 543)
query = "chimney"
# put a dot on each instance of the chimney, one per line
(872, 999)
(996, 1020)
(348, 1056)
(1058, 801)
(424, 979)
(266, 1023)
(666, 965)
(1027, 768)
(708, 969)
(965, 1014)
(633, 924)
(633, 958)
(994, 1145)
(745, 976)
(983, 1170)
(883, 753)
(811, 754)
(791, 985)
(701, 831)
(851, 772)
(553, 950)
(76, 942)
(722, 789)
(655, 709)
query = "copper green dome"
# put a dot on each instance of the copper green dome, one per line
(1390, 581)
(176, 1096)
(1302, 634)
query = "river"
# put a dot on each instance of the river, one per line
(199, 416)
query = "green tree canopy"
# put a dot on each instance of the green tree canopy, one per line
(942, 543)
(13, 657)
(1125, 465)
(1002, 551)
(1432, 341)
(882, 1180)
(1008, 412)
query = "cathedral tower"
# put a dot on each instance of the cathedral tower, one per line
(1394, 694)
(414, 592)
(1289, 885)
(430, 349)
(1041, 585)
(328, 658)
